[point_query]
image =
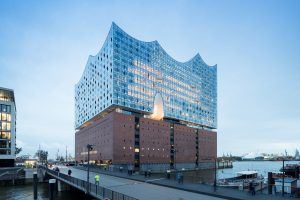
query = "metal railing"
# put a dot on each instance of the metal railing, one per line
(12, 173)
(94, 190)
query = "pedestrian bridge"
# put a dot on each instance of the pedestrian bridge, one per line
(89, 188)
(113, 187)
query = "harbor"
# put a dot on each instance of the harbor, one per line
(149, 100)
(201, 179)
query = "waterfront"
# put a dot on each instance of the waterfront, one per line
(262, 167)
(25, 192)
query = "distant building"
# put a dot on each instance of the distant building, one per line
(26, 161)
(297, 155)
(142, 109)
(7, 127)
(290, 185)
(254, 156)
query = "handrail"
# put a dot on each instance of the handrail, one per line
(11, 172)
(95, 190)
(4, 173)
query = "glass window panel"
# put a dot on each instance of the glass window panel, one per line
(8, 126)
(3, 116)
(8, 107)
(8, 117)
(3, 125)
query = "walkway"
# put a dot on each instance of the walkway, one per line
(224, 193)
(138, 189)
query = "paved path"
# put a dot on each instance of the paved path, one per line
(138, 189)
(225, 193)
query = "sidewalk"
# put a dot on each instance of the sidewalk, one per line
(225, 193)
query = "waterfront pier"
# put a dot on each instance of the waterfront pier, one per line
(113, 187)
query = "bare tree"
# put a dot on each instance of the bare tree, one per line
(42, 156)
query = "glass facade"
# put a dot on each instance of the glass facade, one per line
(130, 74)
(7, 124)
(5, 129)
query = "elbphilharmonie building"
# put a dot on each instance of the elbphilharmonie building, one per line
(139, 107)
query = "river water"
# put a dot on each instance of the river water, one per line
(25, 192)
(262, 167)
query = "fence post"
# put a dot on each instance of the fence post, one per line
(270, 182)
(35, 185)
(282, 177)
(51, 188)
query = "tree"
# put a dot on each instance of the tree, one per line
(42, 156)
(18, 150)
(60, 159)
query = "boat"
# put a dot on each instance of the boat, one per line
(291, 170)
(242, 180)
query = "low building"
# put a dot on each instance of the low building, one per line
(290, 185)
(7, 127)
(26, 161)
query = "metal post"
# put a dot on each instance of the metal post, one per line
(66, 154)
(270, 182)
(89, 148)
(35, 185)
(51, 188)
(175, 159)
(88, 171)
(215, 181)
(282, 177)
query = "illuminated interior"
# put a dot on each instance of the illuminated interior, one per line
(158, 109)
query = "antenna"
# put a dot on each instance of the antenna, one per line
(66, 153)
(39, 153)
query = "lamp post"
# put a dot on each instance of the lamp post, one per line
(283, 177)
(89, 148)
(215, 181)
(175, 158)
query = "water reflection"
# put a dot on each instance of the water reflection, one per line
(197, 176)
(25, 192)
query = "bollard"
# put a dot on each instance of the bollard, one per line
(51, 188)
(297, 171)
(270, 182)
(168, 174)
(35, 182)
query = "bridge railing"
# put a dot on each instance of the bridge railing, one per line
(95, 190)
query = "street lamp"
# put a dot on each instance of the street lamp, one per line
(89, 148)
(175, 151)
(215, 181)
(282, 177)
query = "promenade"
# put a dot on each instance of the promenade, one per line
(161, 188)
(138, 189)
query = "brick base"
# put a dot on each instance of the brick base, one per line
(126, 140)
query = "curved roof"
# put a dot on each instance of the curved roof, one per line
(155, 42)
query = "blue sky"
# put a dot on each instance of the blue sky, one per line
(44, 46)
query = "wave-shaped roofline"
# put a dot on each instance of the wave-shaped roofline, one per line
(114, 25)
(197, 56)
